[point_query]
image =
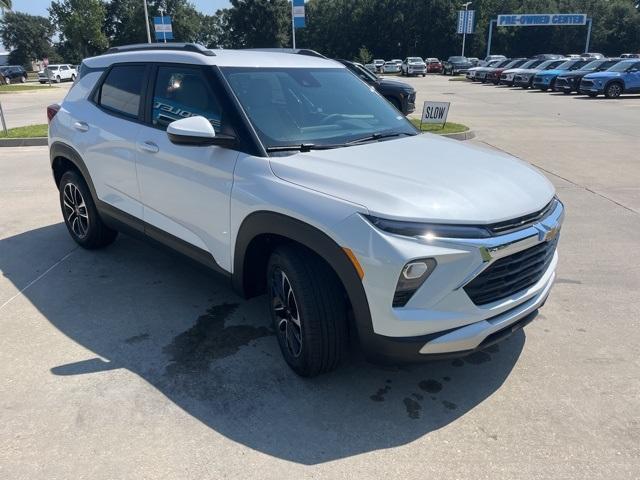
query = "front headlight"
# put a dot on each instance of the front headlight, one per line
(428, 230)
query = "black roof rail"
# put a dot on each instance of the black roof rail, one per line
(298, 51)
(184, 47)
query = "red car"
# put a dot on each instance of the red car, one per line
(494, 74)
(433, 65)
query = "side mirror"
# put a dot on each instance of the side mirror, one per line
(197, 131)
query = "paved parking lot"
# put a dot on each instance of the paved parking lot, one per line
(29, 107)
(131, 363)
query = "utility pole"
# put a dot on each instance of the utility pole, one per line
(293, 27)
(146, 20)
(464, 27)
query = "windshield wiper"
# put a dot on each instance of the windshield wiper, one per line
(378, 136)
(302, 147)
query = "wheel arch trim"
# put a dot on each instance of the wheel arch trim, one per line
(62, 150)
(271, 223)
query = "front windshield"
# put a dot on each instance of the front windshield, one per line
(414, 59)
(622, 66)
(458, 59)
(319, 106)
(593, 66)
(551, 64)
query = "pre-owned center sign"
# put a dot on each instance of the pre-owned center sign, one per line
(541, 20)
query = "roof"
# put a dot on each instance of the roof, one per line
(222, 58)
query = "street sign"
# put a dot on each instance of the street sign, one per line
(298, 14)
(466, 20)
(163, 28)
(435, 112)
(542, 20)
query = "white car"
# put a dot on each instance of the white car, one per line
(391, 67)
(58, 73)
(414, 66)
(352, 223)
(379, 63)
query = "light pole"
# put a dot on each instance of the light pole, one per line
(164, 34)
(464, 26)
(146, 20)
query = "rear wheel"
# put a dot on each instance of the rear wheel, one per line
(80, 214)
(613, 90)
(23, 79)
(58, 79)
(308, 310)
(7, 81)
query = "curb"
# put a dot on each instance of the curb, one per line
(24, 142)
(468, 135)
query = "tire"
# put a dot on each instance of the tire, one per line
(613, 90)
(566, 92)
(544, 89)
(73, 78)
(424, 75)
(58, 79)
(7, 81)
(23, 79)
(302, 286)
(80, 214)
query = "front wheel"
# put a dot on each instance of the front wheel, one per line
(80, 214)
(58, 79)
(614, 90)
(308, 310)
(73, 78)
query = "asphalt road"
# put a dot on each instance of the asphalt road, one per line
(131, 363)
(29, 107)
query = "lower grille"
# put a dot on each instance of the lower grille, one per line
(511, 274)
(586, 83)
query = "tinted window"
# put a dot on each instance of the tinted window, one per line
(181, 93)
(122, 89)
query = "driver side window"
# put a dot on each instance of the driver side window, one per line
(182, 92)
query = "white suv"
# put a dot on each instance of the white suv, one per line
(292, 177)
(58, 73)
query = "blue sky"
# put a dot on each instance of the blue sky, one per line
(39, 7)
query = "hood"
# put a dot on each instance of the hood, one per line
(515, 70)
(422, 178)
(550, 73)
(575, 73)
(604, 74)
(529, 70)
(395, 84)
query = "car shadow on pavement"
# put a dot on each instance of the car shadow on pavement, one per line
(214, 355)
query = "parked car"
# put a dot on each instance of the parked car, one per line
(592, 55)
(57, 73)
(328, 206)
(433, 65)
(455, 65)
(413, 66)
(491, 58)
(630, 55)
(379, 63)
(568, 82)
(524, 78)
(481, 73)
(371, 67)
(507, 77)
(546, 79)
(391, 67)
(12, 74)
(623, 77)
(472, 73)
(474, 61)
(401, 95)
(548, 56)
(493, 74)
(397, 61)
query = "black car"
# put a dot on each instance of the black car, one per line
(456, 65)
(400, 94)
(12, 74)
(570, 81)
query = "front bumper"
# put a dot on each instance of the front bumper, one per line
(417, 70)
(441, 318)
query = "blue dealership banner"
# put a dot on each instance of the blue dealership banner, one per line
(542, 20)
(163, 28)
(298, 13)
(466, 20)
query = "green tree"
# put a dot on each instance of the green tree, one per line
(5, 4)
(364, 55)
(28, 37)
(258, 23)
(124, 22)
(80, 24)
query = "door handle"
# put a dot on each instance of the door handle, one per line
(81, 126)
(149, 147)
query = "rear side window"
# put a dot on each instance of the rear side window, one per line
(122, 89)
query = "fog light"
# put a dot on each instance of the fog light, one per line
(412, 277)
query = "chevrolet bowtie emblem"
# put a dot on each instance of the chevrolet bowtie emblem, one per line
(545, 233)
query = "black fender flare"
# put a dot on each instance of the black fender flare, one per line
(271, 223)
(62, 150)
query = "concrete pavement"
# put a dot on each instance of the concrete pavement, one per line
(29, 107)
(131, 363)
